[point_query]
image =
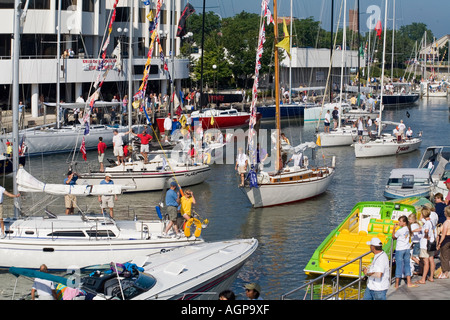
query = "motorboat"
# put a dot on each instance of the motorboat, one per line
(349, 239)
(287, 110)
(400, 99)
(386, 145)
(408, 182)
(152, 176)
(295, 182)
(197, 272)
(437, 160)
(216, 118)
(82, 239)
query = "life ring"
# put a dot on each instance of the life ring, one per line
(198, 227)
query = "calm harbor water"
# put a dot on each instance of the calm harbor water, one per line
(288, 234)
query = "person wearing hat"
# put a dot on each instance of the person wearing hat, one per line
(378, 273)
(253, 291)
(9, 149)
(70, 200)
(447, 198)
(107, 201)
(167, 127)
(172, 203)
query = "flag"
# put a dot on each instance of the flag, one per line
(285, 43)
(151, 24)
(318, 141)
(83, 150)
(187, 11)
(378, 29)
(146, 2)
(182, 97)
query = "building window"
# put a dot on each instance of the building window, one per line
(65, 4)
(122, 14)
(39, 4)
(88, 5)
(7, 4)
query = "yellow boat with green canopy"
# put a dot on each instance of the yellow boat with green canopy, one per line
(349, 240)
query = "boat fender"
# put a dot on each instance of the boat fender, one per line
(158, 211)
(206, 158)
(198, 228)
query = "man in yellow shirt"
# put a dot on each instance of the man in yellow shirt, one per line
(187, 200)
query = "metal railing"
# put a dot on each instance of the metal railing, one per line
(337, 289)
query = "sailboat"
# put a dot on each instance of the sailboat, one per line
(154, 174)
(288, 183)
(61, 139)
(62, 241)
(385, 144)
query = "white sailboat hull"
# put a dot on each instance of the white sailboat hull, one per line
(272, 194)
(51, 141)
(341, 137)
(150, 180)
(28, 243)
(385, 147)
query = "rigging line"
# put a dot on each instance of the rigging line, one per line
(329, 70)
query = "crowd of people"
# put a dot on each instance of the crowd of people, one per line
(421, 240)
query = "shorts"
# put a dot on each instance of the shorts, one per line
(107, 202)
(327, 124)
(118, 151)
(426, 254)
(145, 148)
(241, 169)
(70, 201)
(101, 157)
(172, 212)
(416, 249)
(167, 133)
(360, 133)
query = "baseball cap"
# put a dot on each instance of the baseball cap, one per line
(108, 175)
(253, 286)
(374, 242)
(173, 184)
(447, 181)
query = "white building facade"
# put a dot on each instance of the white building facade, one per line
(84, 26)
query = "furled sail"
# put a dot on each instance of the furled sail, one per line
(27, 183)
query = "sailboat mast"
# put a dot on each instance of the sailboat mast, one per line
(58, 69)
(130, 66)
(393, 37)
(290, 60)
(278, 165)
(382, 66)
(15, 102)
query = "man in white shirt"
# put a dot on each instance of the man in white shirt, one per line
(378, 272)
(118, 145)
(167, 127)
(327, 122)
(241, 165)
(45, 289)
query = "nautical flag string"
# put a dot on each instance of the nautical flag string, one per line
(259, 52)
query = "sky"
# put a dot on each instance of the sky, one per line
(434, 13)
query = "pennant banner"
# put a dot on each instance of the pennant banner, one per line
(259, 52)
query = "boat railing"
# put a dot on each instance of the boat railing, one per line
(338, 291)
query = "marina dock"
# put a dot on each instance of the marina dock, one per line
(437, 290)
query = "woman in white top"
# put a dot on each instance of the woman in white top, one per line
(428, 230)
(415, 240)
(402, 251)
